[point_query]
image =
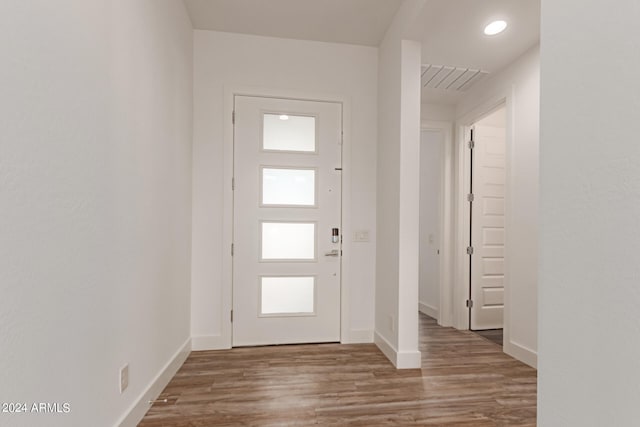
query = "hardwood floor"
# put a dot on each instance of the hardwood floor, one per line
(493, 335)
(464, 381)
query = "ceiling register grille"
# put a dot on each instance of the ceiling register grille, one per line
(450, 78)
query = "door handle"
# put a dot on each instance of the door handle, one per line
(334, 252)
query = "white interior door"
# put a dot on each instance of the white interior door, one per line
(488, 228)
(287, 196)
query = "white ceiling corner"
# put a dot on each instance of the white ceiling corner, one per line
(361, 22)
(451, 30)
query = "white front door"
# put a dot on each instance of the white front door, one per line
(487, 227)
(287, 209)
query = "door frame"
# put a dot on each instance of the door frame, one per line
(445, 243)
(462, 275)
(226, 304)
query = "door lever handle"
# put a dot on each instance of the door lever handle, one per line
(334, 252)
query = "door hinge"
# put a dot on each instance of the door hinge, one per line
(231, 316)
(469, 303)
(233, 184)
(232, 249)
(471, 144)
(470, 197)
(469, 250)
(233, 117)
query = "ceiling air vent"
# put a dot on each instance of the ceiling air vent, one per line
(450, 78)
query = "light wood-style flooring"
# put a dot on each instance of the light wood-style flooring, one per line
(465, 380)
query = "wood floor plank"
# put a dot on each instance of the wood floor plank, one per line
(465, 380)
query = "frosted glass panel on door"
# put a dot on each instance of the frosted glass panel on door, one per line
(295, 187)
(288, 241)
(282, 295)
(285, 132)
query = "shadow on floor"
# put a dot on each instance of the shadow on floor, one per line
(493, 335)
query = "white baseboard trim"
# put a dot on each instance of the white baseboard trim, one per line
(400, 359)
(210, 342)
(428, 310)
(385, 347)
(140, 407)
(220, 342)
(522, 353)
(359, 336)
(409, 360)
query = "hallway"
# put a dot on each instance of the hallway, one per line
(465, 380)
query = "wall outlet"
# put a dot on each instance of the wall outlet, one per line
(124, 378)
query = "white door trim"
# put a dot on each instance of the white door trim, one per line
(461, 260)
(446, 243)
(224, 341)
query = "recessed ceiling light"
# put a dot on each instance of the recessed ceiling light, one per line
(284, 117)
(496, 27)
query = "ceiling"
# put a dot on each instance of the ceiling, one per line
(453, 36)
(362, 22)
(451, 31)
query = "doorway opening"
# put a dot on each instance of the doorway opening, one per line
(436, 213)
(431, 154)
(487, 225)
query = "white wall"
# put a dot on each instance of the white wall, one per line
(226, 61)
(589, 234)
(437, 112)
(95, 143)
(520, 83)
(431, 146)
(398, 191)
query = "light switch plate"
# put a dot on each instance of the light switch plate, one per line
(361, 236)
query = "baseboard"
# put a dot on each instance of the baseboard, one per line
(359, 336)
(385, 347)
(219, 342)
(400, 359)
(210, 342)
(137, 411)
(522, 353)
(409, 360)
(428, 310)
